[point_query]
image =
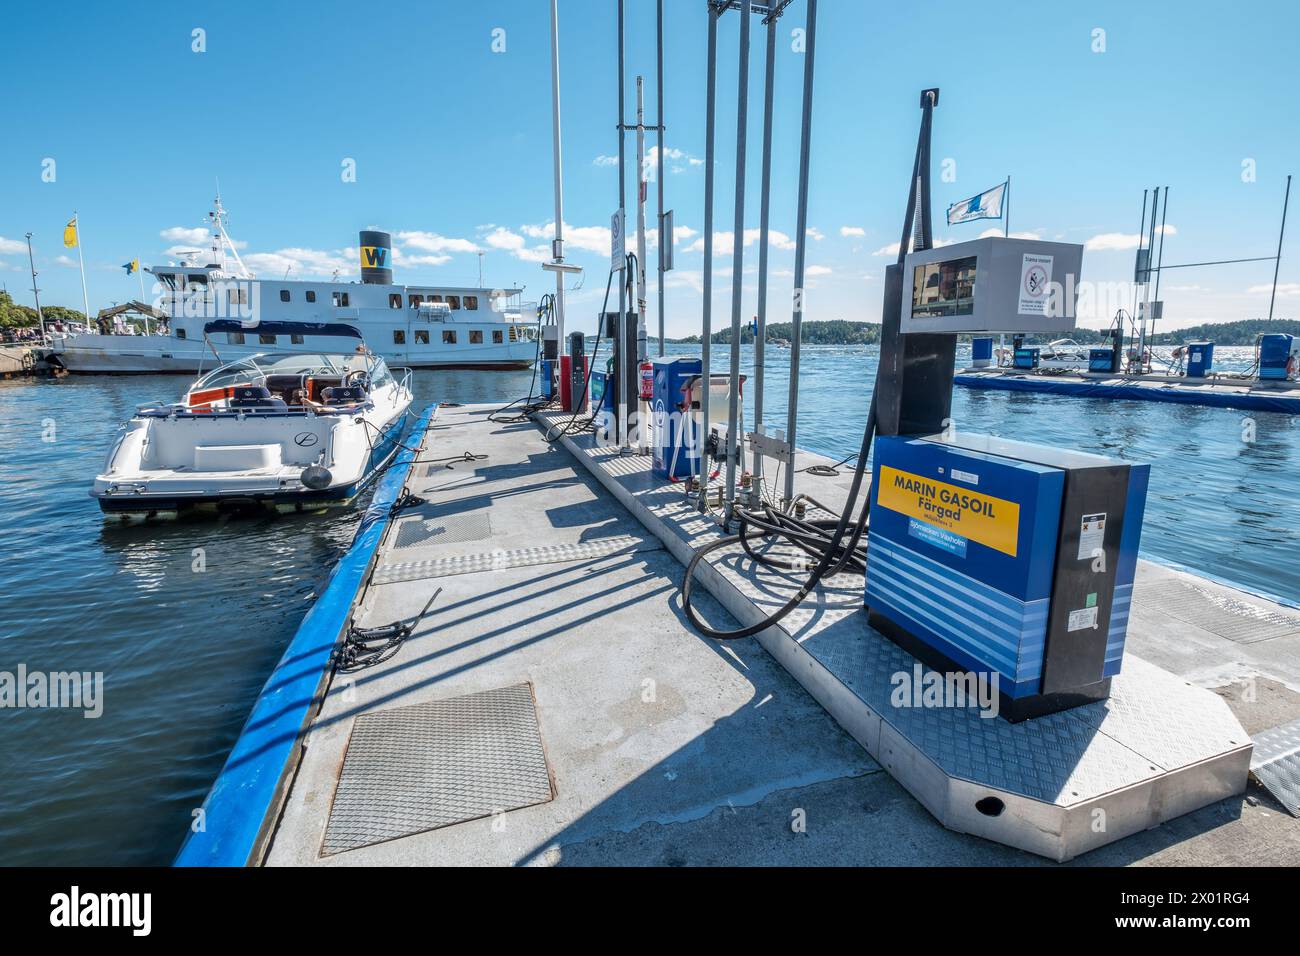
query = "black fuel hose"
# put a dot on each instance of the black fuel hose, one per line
(832, 552)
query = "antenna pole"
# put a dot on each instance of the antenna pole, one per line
(40, 316)
(1277, 264)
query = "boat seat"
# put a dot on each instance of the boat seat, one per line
(256, 396)
(344, 395)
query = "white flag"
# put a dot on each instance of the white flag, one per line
(987, 205)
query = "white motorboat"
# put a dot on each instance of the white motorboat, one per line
(1064, 353)
(292, 431)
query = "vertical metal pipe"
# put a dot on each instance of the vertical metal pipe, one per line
(1160, 259)
(738, 257)
(1277, 263)
(557, 253)
(707, 329)
(659, 189)
(36, 293)
(800, 241)
(620, 329)
(764, 219)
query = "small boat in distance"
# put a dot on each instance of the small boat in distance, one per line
(289, 431)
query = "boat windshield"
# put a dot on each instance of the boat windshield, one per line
(256, 368)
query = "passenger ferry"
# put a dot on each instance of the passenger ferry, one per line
(424, 326)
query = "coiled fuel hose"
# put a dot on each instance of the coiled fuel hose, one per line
(814, 537)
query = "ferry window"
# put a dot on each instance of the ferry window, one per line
(340, 299)
(475, 336)
(471, 303)
(295, 339)
(395, 300)
(284, 295)
(237, 296)
(435, 298)
(421, 336)
(399, 336)
(180, 333)
(413, 301)
(198, 280)
(265, 339)
(448, 336)
(453, 302)
(311, 295)
(235, 338)
(497, 337)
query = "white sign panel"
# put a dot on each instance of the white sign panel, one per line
(617, 238)
(1035, 279)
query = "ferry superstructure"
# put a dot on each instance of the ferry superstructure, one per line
(415, 326)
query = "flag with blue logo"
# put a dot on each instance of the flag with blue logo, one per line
(987, 205)
(132, 267)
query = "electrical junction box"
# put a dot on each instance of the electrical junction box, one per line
(1277, 356)
(1200, 359)
(992, 285)
(1009, 560)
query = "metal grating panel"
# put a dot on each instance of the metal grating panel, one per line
(502, 559)
(423, 766)
(446, 529)
(1276, 764)
(1221, 614)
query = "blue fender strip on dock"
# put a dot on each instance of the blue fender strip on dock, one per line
(238, 811)
(1180, 394)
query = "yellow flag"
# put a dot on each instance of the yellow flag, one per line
(70, 233)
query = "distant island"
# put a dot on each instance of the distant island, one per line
(844, 332)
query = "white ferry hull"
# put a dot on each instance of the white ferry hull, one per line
(96, 354)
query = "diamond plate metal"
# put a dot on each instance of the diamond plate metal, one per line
(429, 765)
(1276, 764)
(1221, 614)
(502, 559)
(446, 529)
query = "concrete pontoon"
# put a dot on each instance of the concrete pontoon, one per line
(554, 707)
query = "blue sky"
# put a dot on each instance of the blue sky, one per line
(452, 147)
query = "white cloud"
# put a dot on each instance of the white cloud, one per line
(299, 262)
(198, 236)
(402, 258)
(588, 238)
(503, 238)
(1119, 241)
(814, 233)
(432, 242)
(853, 232)
(11, 247)
(892, 248)
(817, 271)
(724, 243)
(673, 160)
(995, 231)
(605, 161)
(683, 233)
(1283, 288)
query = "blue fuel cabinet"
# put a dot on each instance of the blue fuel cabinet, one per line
(1010, 560)
(1200, 359)
(673, 442)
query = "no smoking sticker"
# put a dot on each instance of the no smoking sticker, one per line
(1035, 281)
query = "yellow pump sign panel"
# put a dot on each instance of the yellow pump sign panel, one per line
(992, 522)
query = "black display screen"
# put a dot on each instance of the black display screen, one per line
(944, 288)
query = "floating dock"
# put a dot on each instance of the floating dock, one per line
(554, 706)
(1214, 391)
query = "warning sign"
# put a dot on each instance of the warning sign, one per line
(992, 522)
(1035, 280)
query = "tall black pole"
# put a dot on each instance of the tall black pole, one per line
(659, 112)
(737, 259)
(764, 218)
(800, 242)
(710, 97)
